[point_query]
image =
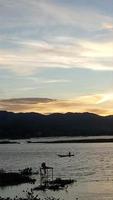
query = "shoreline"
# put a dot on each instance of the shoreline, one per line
(98, 140)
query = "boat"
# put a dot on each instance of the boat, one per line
(65, 155)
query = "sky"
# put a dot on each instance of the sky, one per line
(56, 56)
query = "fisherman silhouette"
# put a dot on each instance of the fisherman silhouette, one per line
(44, 168)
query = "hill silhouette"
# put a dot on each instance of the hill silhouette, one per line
(27, 125)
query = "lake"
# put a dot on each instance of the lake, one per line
(92, 167)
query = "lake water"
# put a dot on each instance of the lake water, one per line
(92, 167)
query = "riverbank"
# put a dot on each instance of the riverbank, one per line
(97, 140)
(8, 142)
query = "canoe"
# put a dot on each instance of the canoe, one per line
(66, 155)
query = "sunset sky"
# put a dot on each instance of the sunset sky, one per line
(56, 56)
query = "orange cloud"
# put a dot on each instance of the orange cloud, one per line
(93, 103)
(108, 26)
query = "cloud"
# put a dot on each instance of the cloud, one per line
(25, 55)
(24, 13)
(106, 98)
(92, 103)
(107, 26)
(21, 104)
(35, 55)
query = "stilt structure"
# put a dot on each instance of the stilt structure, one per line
(46, 174)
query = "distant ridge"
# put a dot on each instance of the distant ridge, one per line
(27, 125)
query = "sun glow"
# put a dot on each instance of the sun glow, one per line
(106, 98)
(101, 104)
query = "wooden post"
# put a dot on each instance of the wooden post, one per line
(52, 174)
(47, 177)
(40, 177)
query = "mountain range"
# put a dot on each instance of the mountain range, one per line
(29, 125)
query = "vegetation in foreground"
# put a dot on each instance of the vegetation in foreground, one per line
(29, 196)
(15, 178)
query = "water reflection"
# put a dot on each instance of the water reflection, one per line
(92, 166)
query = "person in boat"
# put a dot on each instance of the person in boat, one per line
(69, 153)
